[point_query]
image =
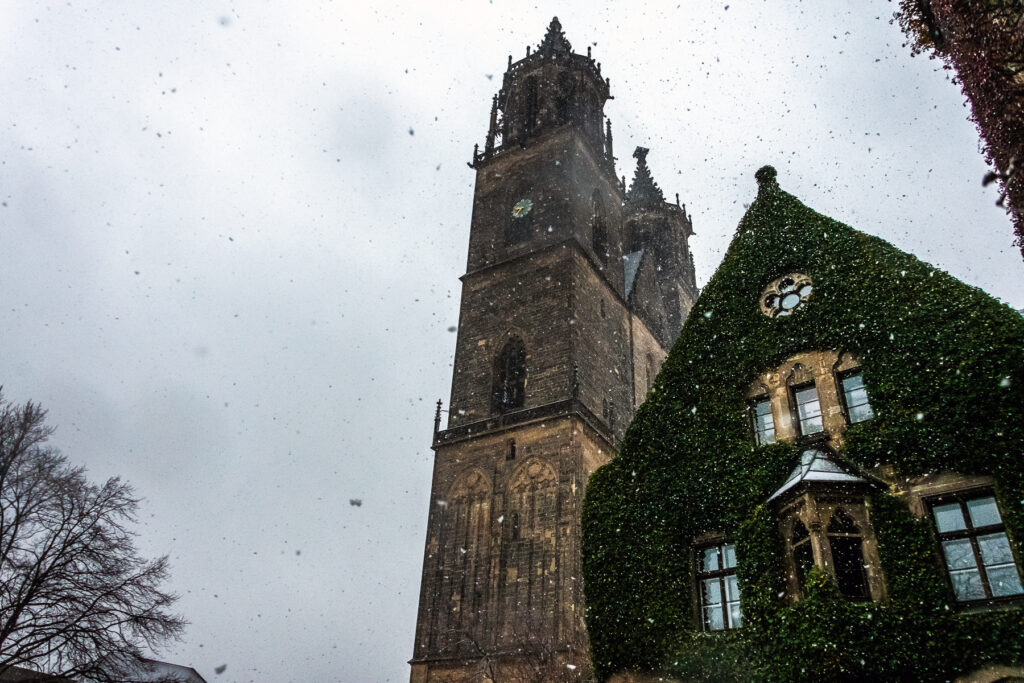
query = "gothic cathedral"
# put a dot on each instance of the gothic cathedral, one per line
(574, 291)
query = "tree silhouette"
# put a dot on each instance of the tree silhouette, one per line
(76, 599)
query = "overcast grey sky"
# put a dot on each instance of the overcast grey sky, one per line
(231, 235)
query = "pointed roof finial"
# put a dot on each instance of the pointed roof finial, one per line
(555, 40)
(644, 191)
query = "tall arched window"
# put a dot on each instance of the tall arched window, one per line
(847, 545)
(530, 118)
(510, 377)
(599, 228)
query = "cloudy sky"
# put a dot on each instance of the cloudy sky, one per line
(231, 234)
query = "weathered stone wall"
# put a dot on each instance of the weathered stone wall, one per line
(501, 569)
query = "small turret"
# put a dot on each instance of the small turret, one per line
(659, 230)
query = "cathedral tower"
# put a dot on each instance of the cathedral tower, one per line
(573, 292)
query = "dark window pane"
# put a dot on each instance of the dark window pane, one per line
(841, 523)
(848, 556)
(799, 532)
(510, 377)
(803, 557)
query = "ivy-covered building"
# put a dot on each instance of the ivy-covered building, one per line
(825, 482)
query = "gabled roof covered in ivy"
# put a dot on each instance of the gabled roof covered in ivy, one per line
(944, 365)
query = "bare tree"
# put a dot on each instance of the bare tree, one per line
(76, 599)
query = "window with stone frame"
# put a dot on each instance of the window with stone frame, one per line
(855, 397)
(832, 532)
(509, 391)
(718, 588)
(762, 420)
(974, 546)
(812, 396)
(808, 409)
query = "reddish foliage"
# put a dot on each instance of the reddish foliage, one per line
(983, 40)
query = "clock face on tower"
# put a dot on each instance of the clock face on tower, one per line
(521, 208)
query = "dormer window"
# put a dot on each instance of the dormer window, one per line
(808, 409)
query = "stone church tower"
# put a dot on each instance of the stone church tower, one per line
(573, 293)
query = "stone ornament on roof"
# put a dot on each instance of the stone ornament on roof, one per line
(555, 40)
(643, 191)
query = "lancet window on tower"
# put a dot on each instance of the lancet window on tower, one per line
(530, 118)
(510, 377)
(599, 228)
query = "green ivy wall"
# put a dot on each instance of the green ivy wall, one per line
(944, 365)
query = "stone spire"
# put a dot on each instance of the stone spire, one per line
(644, 192)
(555, 40)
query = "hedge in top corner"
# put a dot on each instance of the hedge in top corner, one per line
(945, 366)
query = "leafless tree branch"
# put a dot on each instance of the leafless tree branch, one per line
(76, 599)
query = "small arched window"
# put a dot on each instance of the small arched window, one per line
(599, 228)
(847, 545)
(531, 109)
(510, 377)
(803, 555)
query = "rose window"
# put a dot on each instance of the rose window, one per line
(784, 296)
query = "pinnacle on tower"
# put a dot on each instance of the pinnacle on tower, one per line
(643, 191)
(555, 40)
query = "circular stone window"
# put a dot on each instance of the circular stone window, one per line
(784, 296)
